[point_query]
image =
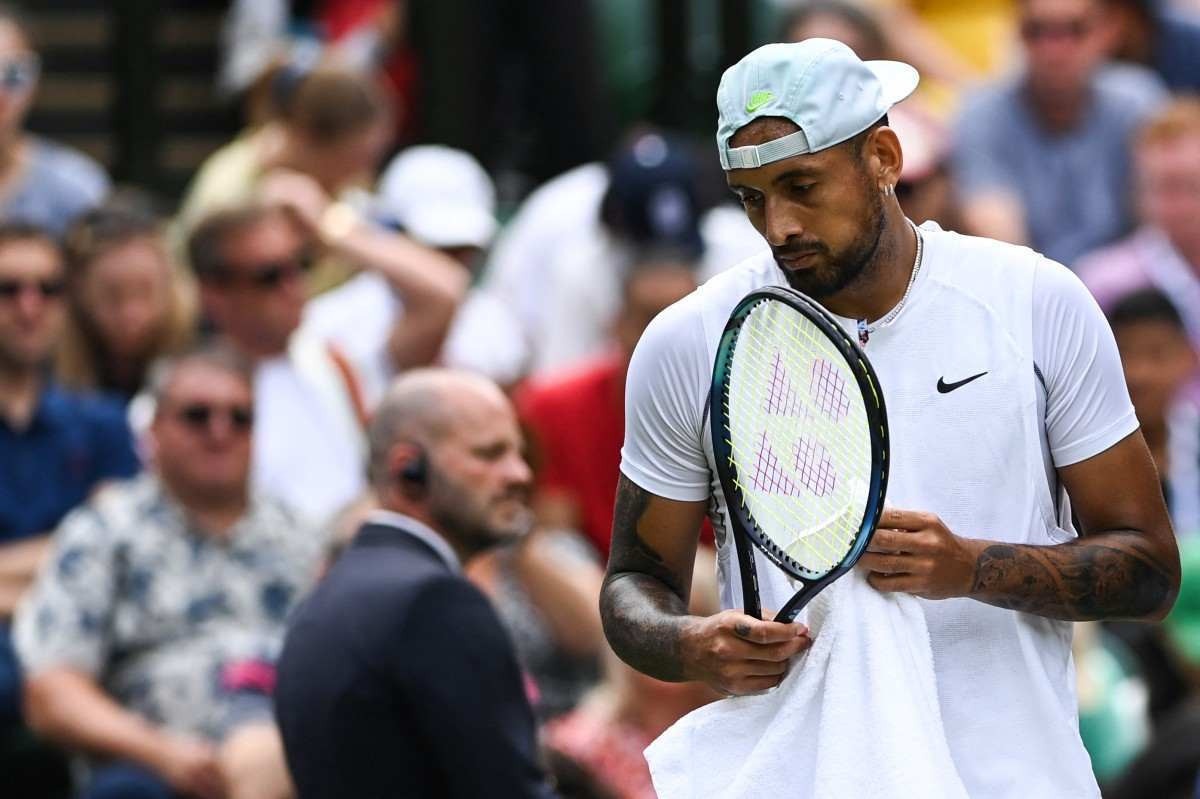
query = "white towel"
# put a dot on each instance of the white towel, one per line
(857, 716)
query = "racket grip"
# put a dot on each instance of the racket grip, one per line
(751, 605)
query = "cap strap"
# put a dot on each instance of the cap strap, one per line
(755, 155)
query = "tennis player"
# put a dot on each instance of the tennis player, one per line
(1007, 409)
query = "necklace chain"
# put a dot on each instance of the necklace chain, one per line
(864, 329)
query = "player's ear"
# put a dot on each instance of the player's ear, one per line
(884, 157)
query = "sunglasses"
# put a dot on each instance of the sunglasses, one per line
(199, 417)
(49, 289)
(1034, 29)
(19, 74)
(268, 275)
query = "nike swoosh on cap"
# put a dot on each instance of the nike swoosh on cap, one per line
(758, 100)
(945, 388)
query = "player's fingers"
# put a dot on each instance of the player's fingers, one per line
(891, 541)
(894, 582)
(779, 652)
(900, 519)
(766, 632)
(886, 564)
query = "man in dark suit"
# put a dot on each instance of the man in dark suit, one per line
(396, 678)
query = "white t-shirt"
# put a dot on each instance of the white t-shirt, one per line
(309, 450)
(981, 457)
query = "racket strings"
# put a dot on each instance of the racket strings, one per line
(778, 349)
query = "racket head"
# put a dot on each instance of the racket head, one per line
(838, 476)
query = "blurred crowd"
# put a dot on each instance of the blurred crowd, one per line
(185, 382)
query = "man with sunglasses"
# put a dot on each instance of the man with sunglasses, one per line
(1044, 159)
(55, 446)
(150, 637)
(251, 261)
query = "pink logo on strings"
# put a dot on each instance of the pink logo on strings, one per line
(781, 397)
(828, 390)
(811, 465)
(815, 467)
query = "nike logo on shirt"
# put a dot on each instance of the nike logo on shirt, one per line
(945, 388)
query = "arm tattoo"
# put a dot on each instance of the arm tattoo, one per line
(1108, 575)
(643, 601)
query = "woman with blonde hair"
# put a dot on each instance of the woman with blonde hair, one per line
(129, 304)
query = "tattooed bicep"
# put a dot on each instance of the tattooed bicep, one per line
(654, 536)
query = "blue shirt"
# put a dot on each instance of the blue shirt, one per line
(73, 442)
(58, 185)
(1074, 185)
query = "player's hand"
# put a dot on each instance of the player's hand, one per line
(191, 767)
(916, 553)
(739, 654)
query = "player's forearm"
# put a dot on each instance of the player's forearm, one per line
(645, 621)
(1120, 574)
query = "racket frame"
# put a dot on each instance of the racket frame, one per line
(746, 533)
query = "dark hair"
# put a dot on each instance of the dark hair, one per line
(859, 140)
(863, 21)
(329, 103)
(1145, 305)
(20, 230)
(205, 245)
(104, 227)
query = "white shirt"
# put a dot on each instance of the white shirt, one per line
(978, 457)
(309, 449)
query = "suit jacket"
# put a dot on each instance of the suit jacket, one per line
(397, 680)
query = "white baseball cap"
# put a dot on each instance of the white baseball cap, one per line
(820, 84)
(442, 197)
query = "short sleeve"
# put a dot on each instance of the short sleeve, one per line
(665, 392)
(63, 620)
(1088, 409)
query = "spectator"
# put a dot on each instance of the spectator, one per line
(55, 446)
(1164, 252)
(849, 23)
(128, 303)
(1043, 159)
(565, 251)
(576, 419)
(149, 637)
(250, 263)
(41, 182)
(334, 127)
(444, 202)
(624, 714)
(1159, 360)
(397, 678)
(1164, 38)
(546, 590)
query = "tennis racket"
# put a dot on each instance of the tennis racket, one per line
(801, 442)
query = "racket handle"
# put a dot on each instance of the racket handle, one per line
(750, 601)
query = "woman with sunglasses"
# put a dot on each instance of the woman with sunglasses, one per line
(41, 182)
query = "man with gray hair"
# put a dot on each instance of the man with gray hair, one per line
(149, 638)
(397, 678)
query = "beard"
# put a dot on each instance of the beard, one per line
(473, 522)
(840, 269)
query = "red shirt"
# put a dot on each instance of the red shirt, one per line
(577, 423)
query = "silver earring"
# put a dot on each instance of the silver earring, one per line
(889, 190)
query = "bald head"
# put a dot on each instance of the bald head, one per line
(422, 407)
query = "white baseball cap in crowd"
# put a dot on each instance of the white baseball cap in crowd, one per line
(442, 197)
(820, 84)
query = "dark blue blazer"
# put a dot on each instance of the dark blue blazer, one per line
(398, 680)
